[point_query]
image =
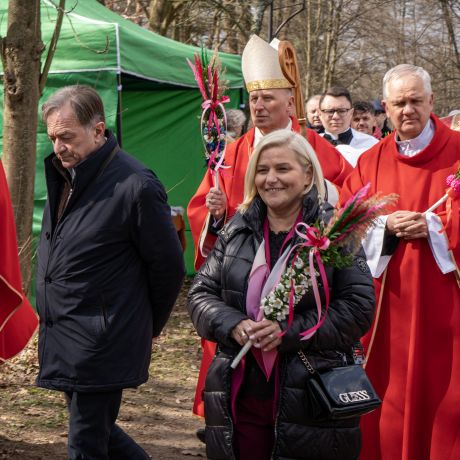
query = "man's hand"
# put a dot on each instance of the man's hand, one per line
(407, 225)
(216, 202)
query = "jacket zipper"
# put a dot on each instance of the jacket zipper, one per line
(52, 243)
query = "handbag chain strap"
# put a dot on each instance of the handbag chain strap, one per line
(306, 362)
(358, 357)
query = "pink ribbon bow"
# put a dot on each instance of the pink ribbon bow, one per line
(313, 239)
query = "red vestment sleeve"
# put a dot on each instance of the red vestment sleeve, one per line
(231, 182)
(17, 318)
(351, 184)
(335, 167)
(197, 213)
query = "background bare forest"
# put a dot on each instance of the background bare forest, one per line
(347, 42)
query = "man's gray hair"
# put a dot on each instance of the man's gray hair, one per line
(312, 98)
(406, 69)
(235, 121)
(84, 100)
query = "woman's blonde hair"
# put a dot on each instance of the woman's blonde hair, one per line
(306, 157)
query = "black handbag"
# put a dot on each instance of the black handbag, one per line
(340, 392)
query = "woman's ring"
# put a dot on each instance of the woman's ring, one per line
(243, 334)
(271, 336)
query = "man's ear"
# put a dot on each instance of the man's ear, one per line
(99, 129)
(291, 105)
(384, 105)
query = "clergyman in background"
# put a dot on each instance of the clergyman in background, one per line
(336, 113)
(313, 113)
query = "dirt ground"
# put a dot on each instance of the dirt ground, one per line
(33, 421)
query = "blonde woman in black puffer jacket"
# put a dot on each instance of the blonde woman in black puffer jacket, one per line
(250, 415)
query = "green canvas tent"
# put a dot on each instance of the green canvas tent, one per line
(152, 101)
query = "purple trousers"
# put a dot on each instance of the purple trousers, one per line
(254, 429)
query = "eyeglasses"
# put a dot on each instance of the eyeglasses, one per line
(339, 112)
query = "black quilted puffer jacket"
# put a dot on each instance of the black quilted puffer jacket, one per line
(217, 304)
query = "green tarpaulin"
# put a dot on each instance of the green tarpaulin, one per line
(151, 99)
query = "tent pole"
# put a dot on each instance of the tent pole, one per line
(119, 109)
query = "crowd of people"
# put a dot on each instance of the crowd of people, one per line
(411, 253)
(110, 266)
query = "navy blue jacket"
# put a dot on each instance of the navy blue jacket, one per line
(108, 273)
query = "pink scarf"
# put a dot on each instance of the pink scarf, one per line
(261, 282)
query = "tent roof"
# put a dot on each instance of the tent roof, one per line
(94, 38)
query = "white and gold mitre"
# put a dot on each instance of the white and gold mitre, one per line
(261, 66)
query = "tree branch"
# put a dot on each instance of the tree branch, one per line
(52, 47)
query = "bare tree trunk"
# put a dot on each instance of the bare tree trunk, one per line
(214, 32)
(258, 15)
(335, 41)
(21, 50)
(308, 57)
(446, 13)
(328, 46)
(158, 12)
(402, 42)
(230, 29)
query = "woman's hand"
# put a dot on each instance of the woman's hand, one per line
(265, 334)
(242, 331)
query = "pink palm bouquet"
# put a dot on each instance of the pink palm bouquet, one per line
(208, 75)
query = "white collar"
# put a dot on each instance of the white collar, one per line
(411, 147)
(258, 133)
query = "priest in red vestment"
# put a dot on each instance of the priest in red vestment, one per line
(413, 350)
(18, 321)
(271, 104)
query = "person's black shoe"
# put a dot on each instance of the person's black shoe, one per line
(200, 434)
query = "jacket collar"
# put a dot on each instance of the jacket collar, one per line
(85, 172)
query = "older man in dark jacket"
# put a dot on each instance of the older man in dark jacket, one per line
(110, 267)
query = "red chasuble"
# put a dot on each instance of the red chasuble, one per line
(231, 181)
(414, 360)
(18, 321)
